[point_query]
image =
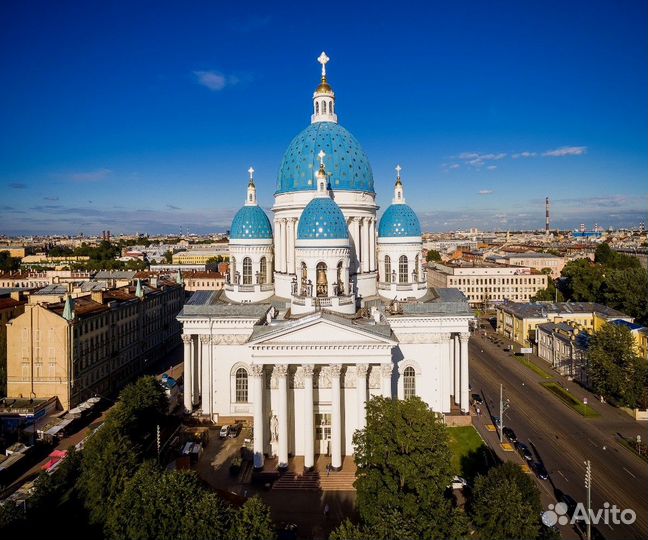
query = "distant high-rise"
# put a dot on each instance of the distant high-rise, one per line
(547, 215)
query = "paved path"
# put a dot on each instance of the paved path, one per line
(562, 439)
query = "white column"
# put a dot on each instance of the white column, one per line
(257, 403)
(336, 418)
(195, 362)
(282, 374)
(203, 370)
(361, 394)
(291, 245)
(309, 420)
(386, 376)
(283, 244)
(465, 395)
(355, 233)
(365, 245)
(186, 339)
(372, 245)
(457, 369)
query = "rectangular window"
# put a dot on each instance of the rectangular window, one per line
(323, 427)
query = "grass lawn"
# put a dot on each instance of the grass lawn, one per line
(569, 399)
(536, 369)
(470, 456)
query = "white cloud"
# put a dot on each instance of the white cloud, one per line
(485, 191)
(566, 151)
(215, 80)
(492, 167)
(454, 166)
(477, 160)
(524, 155)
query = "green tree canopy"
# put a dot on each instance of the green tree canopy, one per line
(615, 369)
(506, 504)
(582, 280)
(253, 522)
(403, 461)
(8, 263)
(433, 255)
(157, 504)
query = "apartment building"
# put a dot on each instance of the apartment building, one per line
(519, 321)
(93, 344)
(487, 284)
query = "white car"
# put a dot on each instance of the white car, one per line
(223, 432)
(458, 483)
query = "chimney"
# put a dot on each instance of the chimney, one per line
(97, 296)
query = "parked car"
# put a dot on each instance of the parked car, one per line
(524, 451)
(224, 431)
(477, 399)
(540, 471)
(458, 483)
(234, 430)
(509, 434)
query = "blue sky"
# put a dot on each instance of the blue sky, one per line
(144, 116)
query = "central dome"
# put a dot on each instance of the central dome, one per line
(345, 161)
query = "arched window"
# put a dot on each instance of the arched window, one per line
(409, 382)
(323, 107)
(233, 269)
(247, 271)
(388, 275)
(416, 269)
(403, 269)
(330, 107)
(241, 386)
(322, 280)
(317, 107)
(263, 270)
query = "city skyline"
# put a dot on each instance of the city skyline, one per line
(154, 131)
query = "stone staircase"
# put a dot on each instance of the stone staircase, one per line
(316, 481)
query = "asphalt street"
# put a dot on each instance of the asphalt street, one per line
(562, 439)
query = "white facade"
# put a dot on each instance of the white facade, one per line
(299, 351)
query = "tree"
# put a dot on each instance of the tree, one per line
(603, 254)
(142, 405)
(612, 259)
(625, 290)
(582, 280)
(168, 256)
(433, 255)
(159, 504)
(506, 504)
(253, 522)
(615, 370)
(349, 531)
(550, 294)
(109, 460)
(403, 461)
(8, 263)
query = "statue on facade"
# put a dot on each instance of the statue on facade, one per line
(274, 428)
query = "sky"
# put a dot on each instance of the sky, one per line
(145, 116)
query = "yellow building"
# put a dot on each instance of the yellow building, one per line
(639, 333)
(93, 344)
(518, 321)
(10, 308)
(199, 256)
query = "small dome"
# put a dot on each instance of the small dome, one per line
(251, 222)
(345, 160)
(322, 219)
(399, 220)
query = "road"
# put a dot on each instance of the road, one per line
(562, 439)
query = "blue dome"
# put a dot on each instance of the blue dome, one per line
(399, 220)
(250, 222)
(345, 160)
(322, 219)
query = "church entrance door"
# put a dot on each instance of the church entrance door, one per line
(323, 434)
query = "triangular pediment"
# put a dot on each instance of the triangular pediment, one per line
(322, 329)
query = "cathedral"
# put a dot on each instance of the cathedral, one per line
(323, 308)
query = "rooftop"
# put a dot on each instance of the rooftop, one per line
(540, 310)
